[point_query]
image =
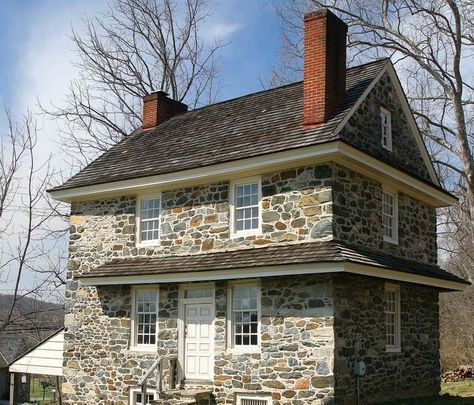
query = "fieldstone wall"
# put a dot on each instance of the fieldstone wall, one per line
(360, 335)
(296, 206)
(295, 364)
(363, 131)
(357, 211)
(99, 366)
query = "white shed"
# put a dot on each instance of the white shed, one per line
(45, 359)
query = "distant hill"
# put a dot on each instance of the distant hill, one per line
(32, 321)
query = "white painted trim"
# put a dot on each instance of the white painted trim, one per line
(134, 391)
(396, 348)
(230, 347)
(138, 211)
(274, 271)
(412, 122)
(253, 396)
(133, 315)
(238, 182)
(337, 152)
(182, 302)
(389, 144)
(394, 193)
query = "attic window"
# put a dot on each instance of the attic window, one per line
(386, 128)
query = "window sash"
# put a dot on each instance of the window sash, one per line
(145, 318)
(246, 207)
(389, 216)
(392, 317)
(245, 316)
(149, 226)
(386, 129)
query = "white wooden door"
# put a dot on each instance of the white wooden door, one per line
(198, 357)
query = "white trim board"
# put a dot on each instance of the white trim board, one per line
(337, 151)
(274, 271)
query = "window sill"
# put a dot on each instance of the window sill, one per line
(389, 240)
(393, 349)
(243, 351)
(152, 244)
(148, 350)
(245, 234)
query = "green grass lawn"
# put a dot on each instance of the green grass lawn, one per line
(459, 393)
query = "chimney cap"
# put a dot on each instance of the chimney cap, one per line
(322, 13)
(154, 94)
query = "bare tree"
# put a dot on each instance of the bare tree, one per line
(24, 214)
(134, 48)
(432, 44)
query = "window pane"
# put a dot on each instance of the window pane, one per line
(245, 315)
(146, 315)
(150, 219)
(246, 207)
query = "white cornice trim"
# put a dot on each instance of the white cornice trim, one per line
(275, 271)
(336, 151)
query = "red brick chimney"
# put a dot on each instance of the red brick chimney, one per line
(324, 66)
(158, 107)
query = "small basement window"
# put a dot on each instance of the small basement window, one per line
(136, 397)
(246, 399)
(386, 128)
(392, 317)
(148, 220)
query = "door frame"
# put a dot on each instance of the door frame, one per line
(182, 302)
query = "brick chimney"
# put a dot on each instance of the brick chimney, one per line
(158, 107)
(324, 66)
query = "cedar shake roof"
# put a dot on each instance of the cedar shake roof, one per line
(257, 124)
(304, 253)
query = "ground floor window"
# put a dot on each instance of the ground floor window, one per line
(145, 317)
(392, 317)
(245, 315)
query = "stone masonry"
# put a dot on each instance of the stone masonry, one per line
(360, 335)
(312, 328)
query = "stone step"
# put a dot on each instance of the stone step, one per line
(184, 397)
(173, 402)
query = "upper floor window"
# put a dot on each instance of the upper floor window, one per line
(386, 128)
(246, 206)
(149, 220)
(392, 317)
(145, 318)
(245, 316)
(390, 216)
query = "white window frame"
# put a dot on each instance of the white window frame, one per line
(138, 211)
(133, 331)
(231, 347)
(135, 391)
(255, 397)
(396, 347)
(232, 219)
(388, 145)
(394, 194)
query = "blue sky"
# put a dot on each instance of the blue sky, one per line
(36, 58)
(36, 53)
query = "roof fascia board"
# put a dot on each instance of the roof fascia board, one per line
(336, 151)
(373, 168)
(413, 125)
(364, 95)
(275, 271)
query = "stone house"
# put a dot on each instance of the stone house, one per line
(278, 248)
